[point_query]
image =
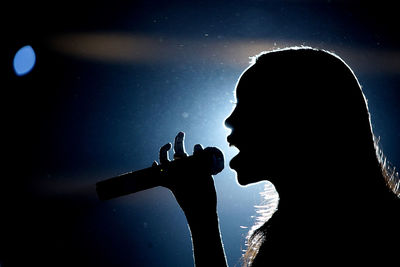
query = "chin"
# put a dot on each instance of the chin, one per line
(246, 171)
(246, 178)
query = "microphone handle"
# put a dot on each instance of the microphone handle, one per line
(210, 161)
(129, 183)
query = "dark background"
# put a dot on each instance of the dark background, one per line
(115, 81)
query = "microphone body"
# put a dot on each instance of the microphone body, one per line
(209, 161)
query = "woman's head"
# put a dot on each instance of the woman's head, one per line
(297, 108)
(302, 122)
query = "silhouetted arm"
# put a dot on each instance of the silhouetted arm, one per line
(208, 249)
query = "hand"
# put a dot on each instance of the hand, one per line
(193, 188)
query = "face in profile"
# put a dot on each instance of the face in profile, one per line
(256, 130)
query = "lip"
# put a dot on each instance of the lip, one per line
(233, 163)
(232, 144)
(231, 141)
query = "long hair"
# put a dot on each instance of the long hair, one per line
(389, 172)
(324, 76)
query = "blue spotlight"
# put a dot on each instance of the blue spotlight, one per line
(24, 60)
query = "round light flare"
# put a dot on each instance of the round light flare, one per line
(24, 60)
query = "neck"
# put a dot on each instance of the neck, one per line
(304, 190)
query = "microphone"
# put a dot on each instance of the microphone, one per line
(210, 161)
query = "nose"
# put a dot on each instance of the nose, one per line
(231, 120)
(228, 122)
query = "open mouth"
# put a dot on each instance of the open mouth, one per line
(234, 162)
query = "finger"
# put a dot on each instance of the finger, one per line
(179, 146)
(164, 153)
(197, 148)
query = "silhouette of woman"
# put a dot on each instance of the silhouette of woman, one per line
(301, 121)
